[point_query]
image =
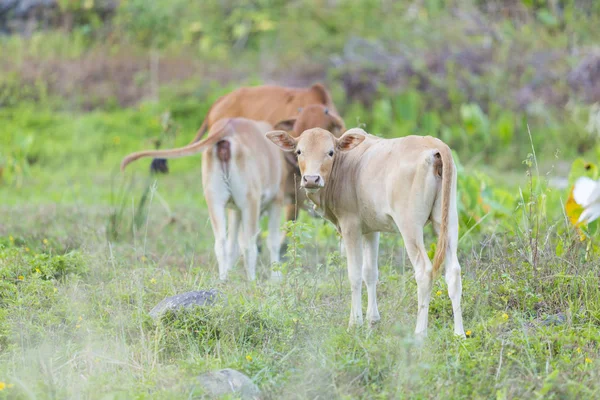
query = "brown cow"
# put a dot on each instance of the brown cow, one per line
(384, 185)
(234, 177)
(260, 103)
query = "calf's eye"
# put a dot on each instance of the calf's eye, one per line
(330, 153)
(298, 152)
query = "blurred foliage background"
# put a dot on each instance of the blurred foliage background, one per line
(471, 72)
(499, 81)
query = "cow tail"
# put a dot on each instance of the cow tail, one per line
(447, 182)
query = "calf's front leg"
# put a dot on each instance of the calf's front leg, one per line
(354, 252)
(370, 274)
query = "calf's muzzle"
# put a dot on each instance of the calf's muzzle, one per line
(312, 181)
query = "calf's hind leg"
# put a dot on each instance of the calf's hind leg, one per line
(274, 239)
(247, 237)
(233, 249)
(415, 247)
(454, 282)
(217, 194)
(216, 210)
(452, 275)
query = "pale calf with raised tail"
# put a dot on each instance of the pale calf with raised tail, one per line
(243, 176)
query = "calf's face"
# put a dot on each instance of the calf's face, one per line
(316, 150)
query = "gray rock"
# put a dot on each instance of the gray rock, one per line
(185, 301)
(227, 381)
(555, 319)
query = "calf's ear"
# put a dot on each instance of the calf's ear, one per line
(282, 139)
(351, 139)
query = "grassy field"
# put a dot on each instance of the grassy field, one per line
(86, 251)
(78, 279)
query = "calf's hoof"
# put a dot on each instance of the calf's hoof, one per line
(420, 336)
(355, 323)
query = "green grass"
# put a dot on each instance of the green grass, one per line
(74, 298)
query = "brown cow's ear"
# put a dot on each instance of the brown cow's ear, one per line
(337, 125)
(351, 139)
(285, 125)
(322, 92)
(283, 140)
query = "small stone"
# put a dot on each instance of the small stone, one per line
(226, 381)
(555, 319)
(185, 301)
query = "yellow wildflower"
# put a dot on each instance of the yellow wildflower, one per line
(77, 326)
(45, 241)
(38, 271)
(153, 281)
(2, 386)
(505, 316)
(20, 277)
(468, 333)
(588, 360)
(578, 350)
(55, 290)
(195, 27)
(27, 249)
(438, 293)
(144, 259)
(249, 358)
(265, 25)
(11, 239)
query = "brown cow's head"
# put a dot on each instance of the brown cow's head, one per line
(316, 149)
(313, 116)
